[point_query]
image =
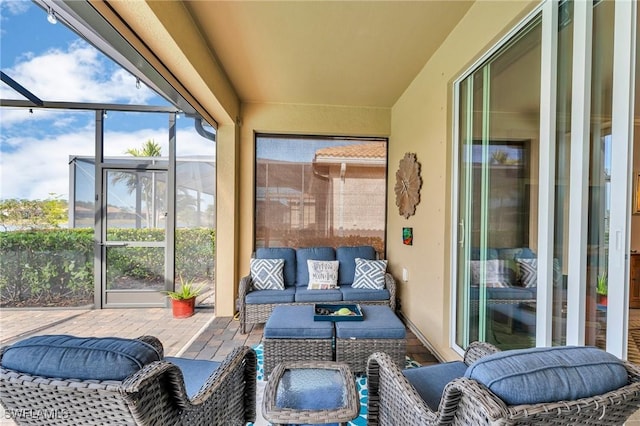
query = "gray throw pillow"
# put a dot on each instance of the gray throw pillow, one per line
(266, 274)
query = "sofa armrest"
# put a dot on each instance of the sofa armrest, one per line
(477, 350)
(245, 287)
(390, 284)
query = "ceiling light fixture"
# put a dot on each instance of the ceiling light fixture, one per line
(51, 17)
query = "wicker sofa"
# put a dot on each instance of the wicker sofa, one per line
(65, 380)
(255, 306)
(543, 386)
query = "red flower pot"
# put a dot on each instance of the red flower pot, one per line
(183, 308)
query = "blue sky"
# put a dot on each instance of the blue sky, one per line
(56, 65)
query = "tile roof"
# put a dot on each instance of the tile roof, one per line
(366, 150)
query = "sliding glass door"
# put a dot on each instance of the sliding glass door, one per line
(544, 196)
(497, 219)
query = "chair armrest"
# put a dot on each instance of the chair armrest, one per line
(392, 399)
(477, 350)
(153, 341)
(231, 387)
(227, 395)
(390, 284)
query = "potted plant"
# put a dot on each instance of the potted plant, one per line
(183, 301)
(602, 289)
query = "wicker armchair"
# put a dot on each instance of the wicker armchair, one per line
(154, 395)
(394, 401)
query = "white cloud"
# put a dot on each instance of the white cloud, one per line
(78, 73)
(36, 167)
(14, 7)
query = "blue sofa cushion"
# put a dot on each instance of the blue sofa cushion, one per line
(511, 253)
(540, 375)
(286, 253)
(381, 323)
(329, 295)
(310, 253)
(363, 294)
(257, 297)
(296, 322)
(347, 257)
(83, 358)
(430, 381)
(194, 371)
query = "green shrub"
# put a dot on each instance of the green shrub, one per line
(45, 267)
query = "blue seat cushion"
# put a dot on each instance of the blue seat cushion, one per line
(330, 295)
(430, 381)
(539, 375)
(83, 358)
(296, 322)
(347, 258)
(257, 297)
(286, 253)
(310, 253)
(380, 323)
(365, 294)
(194, 371)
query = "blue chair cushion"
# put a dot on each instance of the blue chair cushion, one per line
(83, 358)
(347, 257)
(286, 253)
(312, 253)
(330, 295)
(540, 375)
(381, 323)
(363, 294)
(430, 381)
(194, 371)
(296, 322)
(271, 296)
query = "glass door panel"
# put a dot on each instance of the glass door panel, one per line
(563, 168)
(497, 187)
(134, 237)
(599, 174)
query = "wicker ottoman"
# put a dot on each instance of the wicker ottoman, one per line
(291, 334)
(380, 331)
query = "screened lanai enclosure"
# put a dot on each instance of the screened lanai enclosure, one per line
(108, 204)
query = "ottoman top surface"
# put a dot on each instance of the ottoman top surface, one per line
(379, 323)
(296, 322)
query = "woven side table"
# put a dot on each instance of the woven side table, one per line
(291, 334)
(381, 331)
(304, 392)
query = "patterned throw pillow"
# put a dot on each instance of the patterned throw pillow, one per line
(323, 274)
(369, 274)
(266, 274)
(498, 273)
(529, 272)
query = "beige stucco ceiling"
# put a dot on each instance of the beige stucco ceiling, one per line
(355, 53)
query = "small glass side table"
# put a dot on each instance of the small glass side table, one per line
(311, 392)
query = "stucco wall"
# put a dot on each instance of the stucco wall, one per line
(294, 120)
(421, 122)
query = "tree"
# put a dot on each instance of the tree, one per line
(21, 214)
(145, 182)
